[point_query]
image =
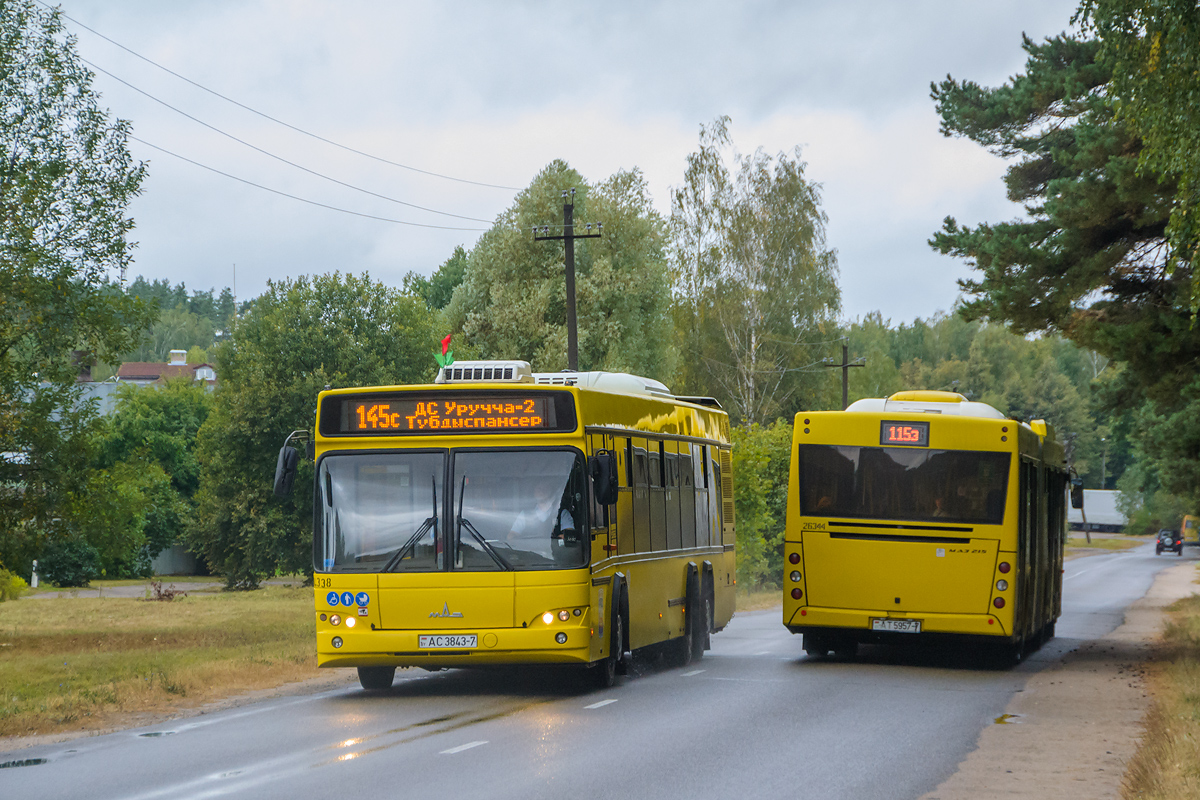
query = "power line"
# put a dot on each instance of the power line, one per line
(295, 197)
(277, 121)
(274, 156)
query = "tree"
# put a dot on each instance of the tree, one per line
(438, 288)
(512, 299)
(1154, 47)
(66, 177)
(158, 425)
(1091, 259)
(1094, 259)
(299, 337)
(761, 459)
(755, 289)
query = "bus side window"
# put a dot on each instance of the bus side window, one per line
(641, 497)
(700, 456)
(687, 496)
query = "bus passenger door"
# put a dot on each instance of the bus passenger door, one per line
(603, 534)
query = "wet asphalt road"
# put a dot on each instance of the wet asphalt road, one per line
(755, 718)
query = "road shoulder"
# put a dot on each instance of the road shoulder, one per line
(1076, 725)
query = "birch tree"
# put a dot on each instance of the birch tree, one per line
(755, 287)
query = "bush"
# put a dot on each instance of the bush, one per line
(70, 562)
(11, 586)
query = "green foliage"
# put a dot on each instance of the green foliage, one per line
(1154, 46)
(11, 586)
(512, 299)
(64, 187)
(158, 425)
(69, 561)
(295, 340)
(755, 288)
(1101, 257)
(438, 288)
(1090, 262)
(761, 459)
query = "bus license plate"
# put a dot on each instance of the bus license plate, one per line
(896, 625)
(460, 641)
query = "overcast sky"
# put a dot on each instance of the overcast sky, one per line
(492, 92)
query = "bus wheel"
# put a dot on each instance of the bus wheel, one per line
(623, 613)
(814, 645)
(376, 677)
(605, 673)
(845, 648)
(685, 646)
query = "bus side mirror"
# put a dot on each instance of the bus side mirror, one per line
(604, 477)
(1077, 493)
(285, 470)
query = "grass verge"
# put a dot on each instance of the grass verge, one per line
(79, 663)
(1167, 763)
(1079, 544)
(758, 599)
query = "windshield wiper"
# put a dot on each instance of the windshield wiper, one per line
(418, 534)
(464, 522)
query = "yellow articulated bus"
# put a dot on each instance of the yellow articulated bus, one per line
(924, 516)
(499, 516)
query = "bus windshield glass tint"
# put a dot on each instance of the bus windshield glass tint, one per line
(380, 512)
(904, 484)
(519, 509)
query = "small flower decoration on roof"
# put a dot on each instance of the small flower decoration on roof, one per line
(446, 357)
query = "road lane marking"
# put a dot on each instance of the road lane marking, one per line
(690, 674)
(460, 748)
(601, 703)
(763, 653)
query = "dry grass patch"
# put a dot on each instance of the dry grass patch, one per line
(1078, 545)
(1167, 764)
(79, 663)
(758, 599)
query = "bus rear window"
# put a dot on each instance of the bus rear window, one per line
(901, 483)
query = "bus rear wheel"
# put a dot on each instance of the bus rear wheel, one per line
(816, 645)
(376, 678)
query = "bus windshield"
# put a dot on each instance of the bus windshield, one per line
(521, 508)
(903, 483)
(505, 510)
(380, 512)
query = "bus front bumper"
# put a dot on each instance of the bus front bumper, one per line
(494, 646)
(801, 619)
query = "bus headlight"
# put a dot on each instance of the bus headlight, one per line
(548, 617)
(334, 619)
(560, 637)
(795, 576)
(564, 615)
(350, 622)
(1001, 585)
(337, 641)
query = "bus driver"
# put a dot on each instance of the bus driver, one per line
(536, 529)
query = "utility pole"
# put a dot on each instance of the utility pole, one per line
(845, 367)
(568, 239)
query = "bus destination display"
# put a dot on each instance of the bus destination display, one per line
(907, 434)
(452, 413)
(448, 415)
